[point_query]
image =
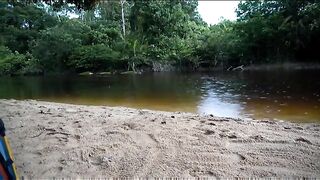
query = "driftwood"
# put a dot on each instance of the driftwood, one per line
(238, 68)
(229, 68)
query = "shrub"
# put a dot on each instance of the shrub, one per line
(16, 64)
(93, 57)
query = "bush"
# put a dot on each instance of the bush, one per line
(17, 64)
(10, 62)
(93, 58)
(32, 66)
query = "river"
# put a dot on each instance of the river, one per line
(279, 95)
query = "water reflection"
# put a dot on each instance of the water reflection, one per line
(218, 98)
(286, 95)
(214, 105)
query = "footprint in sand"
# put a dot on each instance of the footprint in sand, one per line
(208, 132)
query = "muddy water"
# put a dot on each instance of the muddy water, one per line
(281, 95)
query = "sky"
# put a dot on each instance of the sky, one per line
(212, 11)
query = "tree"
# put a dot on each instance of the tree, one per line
(277, 28)
(131, 34)
(122, 2)
(55, 45)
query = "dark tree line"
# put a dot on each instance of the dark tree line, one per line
(71, 36)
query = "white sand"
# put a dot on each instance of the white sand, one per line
(62, 140)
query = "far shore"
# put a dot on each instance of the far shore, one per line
(288, 66)
(63, 140)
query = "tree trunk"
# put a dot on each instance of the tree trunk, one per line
(123, 19)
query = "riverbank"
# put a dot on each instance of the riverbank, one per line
(63, 140)
(170, 68)
(282, 66)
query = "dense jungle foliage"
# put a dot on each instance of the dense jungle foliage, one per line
(73, 36)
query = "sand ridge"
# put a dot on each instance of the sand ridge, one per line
(63, 140)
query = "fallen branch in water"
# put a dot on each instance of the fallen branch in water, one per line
(238, 68)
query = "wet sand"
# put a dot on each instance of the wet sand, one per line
(63, 140)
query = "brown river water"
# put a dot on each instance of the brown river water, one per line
(280, 95)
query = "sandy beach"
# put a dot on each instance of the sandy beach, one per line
(62, 140)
